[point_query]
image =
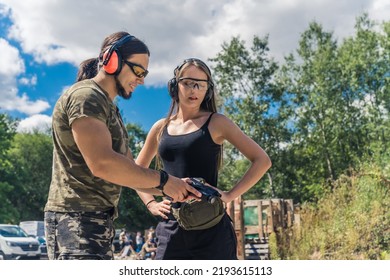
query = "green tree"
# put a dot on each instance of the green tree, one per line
(339, 108)
(133, 214)
(7, 132)
(313, 86)
(250, 97)
(31, 159)
(317, 115)
(365, 80)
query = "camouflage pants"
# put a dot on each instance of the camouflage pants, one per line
(79, 235)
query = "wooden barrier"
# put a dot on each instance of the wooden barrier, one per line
(255, 220)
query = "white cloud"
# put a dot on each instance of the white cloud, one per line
(28, 81)
(12, 67)
(24, 105)
(11, 62)
(72, 30)
(40, 123)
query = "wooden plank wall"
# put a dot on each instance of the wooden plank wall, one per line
(271, 213)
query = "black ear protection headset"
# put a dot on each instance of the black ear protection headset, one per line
(112, 58)
(173, 83)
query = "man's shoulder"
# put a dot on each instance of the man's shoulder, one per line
(83, 92)
(85, 87)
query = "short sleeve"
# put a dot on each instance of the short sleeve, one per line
(87, 102)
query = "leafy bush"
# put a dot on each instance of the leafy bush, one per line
(352, 221)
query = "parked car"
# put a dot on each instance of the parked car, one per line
(42, 246)
(36, 229)
(16, 244)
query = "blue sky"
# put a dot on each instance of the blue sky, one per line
(43, 41)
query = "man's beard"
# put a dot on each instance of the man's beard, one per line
(120, 90)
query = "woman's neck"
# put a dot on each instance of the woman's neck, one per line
(188, 114)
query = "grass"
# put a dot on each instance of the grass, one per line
(350, 222)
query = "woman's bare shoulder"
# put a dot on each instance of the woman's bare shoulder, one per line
(159, 124)
(221, 119)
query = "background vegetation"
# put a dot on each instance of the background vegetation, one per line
(323, 117)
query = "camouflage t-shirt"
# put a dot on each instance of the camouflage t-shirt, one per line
(73, 187)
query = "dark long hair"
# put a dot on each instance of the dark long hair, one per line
(90, 67)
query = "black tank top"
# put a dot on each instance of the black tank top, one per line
(194, 154)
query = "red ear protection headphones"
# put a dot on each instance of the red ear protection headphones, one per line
(112, 58)
(173, 83)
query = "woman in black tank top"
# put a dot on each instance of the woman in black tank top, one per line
(188, 143)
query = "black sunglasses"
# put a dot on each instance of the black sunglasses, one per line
(137, 69)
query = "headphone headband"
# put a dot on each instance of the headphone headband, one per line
(115, 46)
(112, 58)
(192, 59)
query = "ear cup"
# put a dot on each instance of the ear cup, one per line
(210, 92)
(208, 95)
(114, 63)
(172, 88)
(112, 58)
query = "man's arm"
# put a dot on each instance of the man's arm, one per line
(94, 142)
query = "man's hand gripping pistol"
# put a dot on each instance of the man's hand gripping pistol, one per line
(208, 194)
